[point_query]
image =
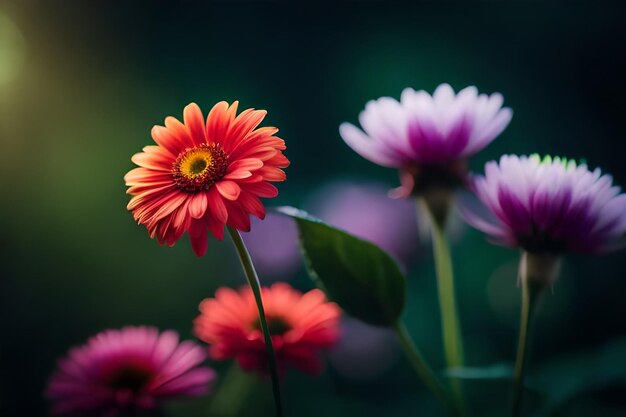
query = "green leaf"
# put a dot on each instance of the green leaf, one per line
(359, 276)
(501, 371)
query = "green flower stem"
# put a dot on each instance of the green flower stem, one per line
(530, 293)
(422, 368)
(450, 327)
(255, 285)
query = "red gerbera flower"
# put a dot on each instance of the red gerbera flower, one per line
(202, 176)
(301, 325)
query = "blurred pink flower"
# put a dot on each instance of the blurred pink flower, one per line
(128, 369)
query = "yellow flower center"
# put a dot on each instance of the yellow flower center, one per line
(195, 162)
(198, 168)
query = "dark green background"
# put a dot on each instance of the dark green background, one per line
(98, 75)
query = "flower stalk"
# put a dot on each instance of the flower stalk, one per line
(422, 368)
(450, 327)
(255, 285)
(536, 272)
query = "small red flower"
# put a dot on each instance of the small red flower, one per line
(202, 175)
(301, 325)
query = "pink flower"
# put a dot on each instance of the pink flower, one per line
(301, 325)
(127, 369)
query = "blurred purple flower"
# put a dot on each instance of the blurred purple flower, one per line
(126, 370)
(548, 205)
(427, 137)
(365, 210)
(273, 245)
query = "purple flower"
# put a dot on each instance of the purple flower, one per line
(128, 369)
(427, 137)
(548, 206)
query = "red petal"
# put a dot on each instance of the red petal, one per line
(237, 218)
(198, 237)
(249, 164)
(242, 168)
(216, 227)
(217, 122)
(262, 189)
(251, 203)
(262, 132)
(140, 176)
(248, 145)
(152, 161)
(149, 186)
(198, 205)
(254, 178)
(150, 196)
(263, 153)
(168, 205)
(179, 131)
(194, 120)
(164, 138)
(240, 174)
(243, 125)
(216, 206)
(180, 219)
(278, 160)
(228, 189)
(272, 174)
